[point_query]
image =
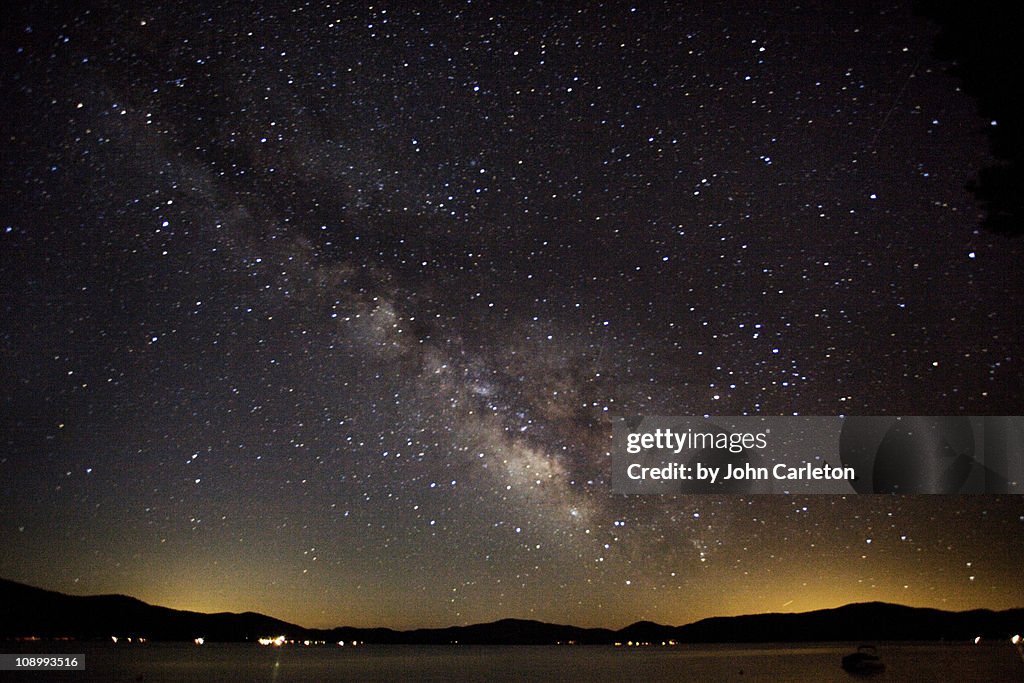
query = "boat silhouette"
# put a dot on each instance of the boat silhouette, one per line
(865, 661)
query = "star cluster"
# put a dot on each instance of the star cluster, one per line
(323, 310)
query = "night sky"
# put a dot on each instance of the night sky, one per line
(324, 311)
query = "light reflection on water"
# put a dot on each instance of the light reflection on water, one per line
(234, 663)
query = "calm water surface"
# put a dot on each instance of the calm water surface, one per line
(236, 663)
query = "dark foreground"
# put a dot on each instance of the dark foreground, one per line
(237, 662)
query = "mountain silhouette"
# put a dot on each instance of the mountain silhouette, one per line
(34, 612)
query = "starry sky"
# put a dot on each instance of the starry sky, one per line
(323, 310)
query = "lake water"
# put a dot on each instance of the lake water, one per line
(236, 663)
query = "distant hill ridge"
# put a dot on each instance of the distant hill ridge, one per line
(27, 611)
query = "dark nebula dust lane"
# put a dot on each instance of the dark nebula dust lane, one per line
(324, 310)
